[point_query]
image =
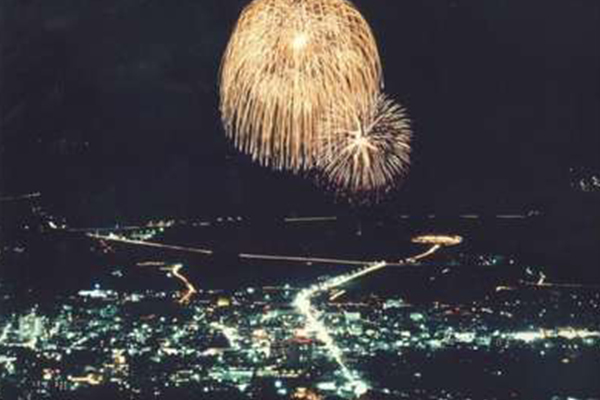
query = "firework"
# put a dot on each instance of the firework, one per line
(285, 64)
(364, 153)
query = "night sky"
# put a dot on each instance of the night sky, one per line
(110, 108)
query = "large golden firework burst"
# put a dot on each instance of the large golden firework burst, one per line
(363, 154)
(285, 65)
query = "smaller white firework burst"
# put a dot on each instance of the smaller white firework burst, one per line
(365, 155)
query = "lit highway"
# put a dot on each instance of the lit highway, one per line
(120, 239)
(436, 245)
(28, 196)
(190, 289)
(303, 304)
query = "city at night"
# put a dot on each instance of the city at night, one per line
(300, 199)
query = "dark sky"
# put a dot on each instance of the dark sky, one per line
(110, 108)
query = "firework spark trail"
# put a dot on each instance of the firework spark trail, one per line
(286, 63)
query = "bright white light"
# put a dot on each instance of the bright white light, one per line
(327, 386)
(300, 41)
(527, 336)
(360, 388)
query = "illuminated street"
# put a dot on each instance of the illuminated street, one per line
(190, 289)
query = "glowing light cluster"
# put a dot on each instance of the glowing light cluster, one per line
(442, 240)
